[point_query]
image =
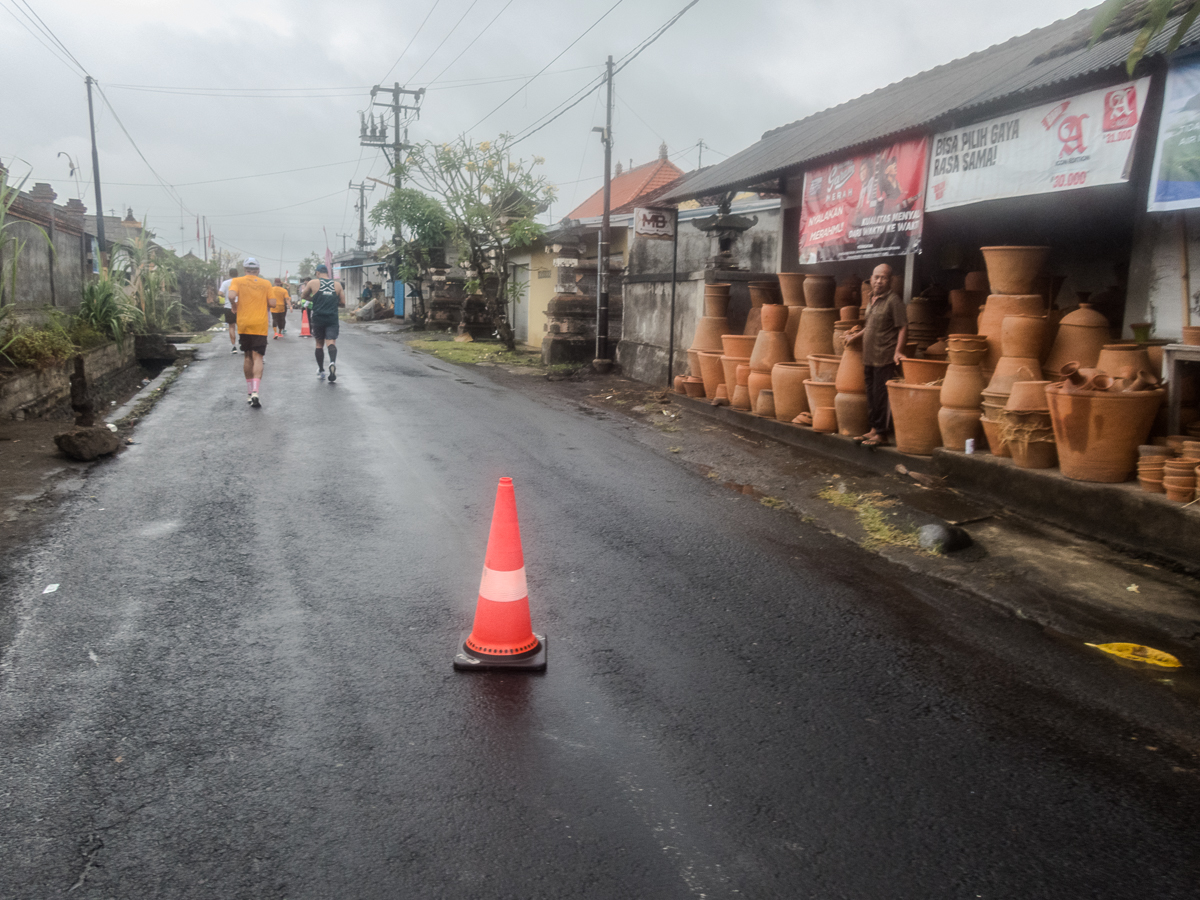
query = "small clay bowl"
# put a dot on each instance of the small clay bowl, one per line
(1180, 496)
(1151, 485)
(1154, 450)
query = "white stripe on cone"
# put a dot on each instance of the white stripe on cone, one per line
(503, 587)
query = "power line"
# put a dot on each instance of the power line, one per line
(276, 208)
(410, 41)
(234, 177)
(485, 30)
(34, 32)
(549, 64)
(461, 19)
(54, 37)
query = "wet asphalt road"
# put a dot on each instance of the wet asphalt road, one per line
(243, 687)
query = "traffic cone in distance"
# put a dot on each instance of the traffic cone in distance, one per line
(502, 637)
(304, 330)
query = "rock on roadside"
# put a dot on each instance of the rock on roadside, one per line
(87, 444)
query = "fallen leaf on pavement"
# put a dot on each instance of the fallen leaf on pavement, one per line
(1140, 653)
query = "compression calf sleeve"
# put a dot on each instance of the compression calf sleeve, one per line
(333, 353)
(320, 352)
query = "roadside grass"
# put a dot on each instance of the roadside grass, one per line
(869, 510)
(488, 352)
(202, 338)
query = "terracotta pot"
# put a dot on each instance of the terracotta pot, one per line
(1081, 336)
(791, 285)
(693, 386)
(966, 303)
(824, 366)
(957, 426)
(753, 322)
(848, 292)
(1011, 369)
(824, 419)
(820, 393)
(740, 398)
(853, 416)
(757, 382)
(716, 300)
(1191, 335)
(1028, 395)
(1023, 336)
(1116, 357)
(1157, 450)
(774, 317)
(765, 406)
(962, 387)
(816, 331)
(938, 351)
(971, 341)
(793, 324)
(915, 409)
(711, 372)
(787, 381)
(840, 330)
(678, 384)
(729, 366)
(770, 347)
(1151, 485)
(1179, 495)
(919, 311)
(764, 292)
(973, 358)
(819, 290)
(694, 363)
(738, 344)
(922, 371)
(963, 324)
(1014, 270)
(851, 378)
(1098, 433)
(708, 333)
(991, 430)
(976, 281)
(722, 398)
(848, 314)
(991, 320)
(1034, 454)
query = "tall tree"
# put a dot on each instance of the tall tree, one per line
(491, 199)
(424, 230)
(308, 266)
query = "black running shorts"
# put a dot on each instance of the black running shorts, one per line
(325, 331)
(256, 343)
(230, 316)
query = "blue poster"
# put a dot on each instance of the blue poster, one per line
(1175, 178)
(398, 299)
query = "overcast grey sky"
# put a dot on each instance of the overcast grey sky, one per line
(216, 91)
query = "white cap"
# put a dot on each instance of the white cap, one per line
(250, 263)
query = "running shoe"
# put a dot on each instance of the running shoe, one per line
(320, 373)
(333, 372)
(233, 349)
(254, 402)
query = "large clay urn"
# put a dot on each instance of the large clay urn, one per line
(741, 345)
(962, 387)
(853, 414)
(957, 426)
(1115, 358)
(711, 372)
(763, 292)
(848, 293)
(787, 381)
(1023, 336)
(820, 394)
(708, 333)
(991, 320)
(716, 300)
(915, 410)
(770, 347)
(850, 378)
(1014, 270)
(819, 291)
(774, 317)
(791, 285)
(816, 331)
(1098, 432)
(793, 323)
(1081, 336)
(824, 366)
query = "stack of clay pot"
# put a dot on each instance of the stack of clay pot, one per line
(735, 366)
(848, 320)
(964, 311)
(761, 292)
(1012, 274)
(821, 390)
(850, 401)
(1081, 336)
(791, 286)
(1151, 464)
(1099, 422)
(707, 339)
(962, 391)
(770, 347)
(1021, 338)
(1025, 426)
(1179, 479)
(815, 334)
(924, 326)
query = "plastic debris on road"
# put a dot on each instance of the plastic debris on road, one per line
(1140, 653)
(50, 589)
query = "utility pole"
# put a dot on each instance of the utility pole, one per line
(700, 155)
(605, 230)
(204, 237)
(362, 188)
(96, 174)
(343, 235)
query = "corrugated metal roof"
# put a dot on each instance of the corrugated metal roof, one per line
(1039, 59)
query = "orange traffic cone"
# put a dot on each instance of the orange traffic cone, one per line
(304, 331)
(502, 637)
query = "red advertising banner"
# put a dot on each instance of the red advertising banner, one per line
(867, 206)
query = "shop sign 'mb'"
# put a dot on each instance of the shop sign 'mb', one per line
(654, 222)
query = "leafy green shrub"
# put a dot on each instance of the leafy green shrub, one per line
(106, 308)
(37, 348)
(85, 336)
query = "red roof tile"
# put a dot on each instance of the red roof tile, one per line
(628, 187)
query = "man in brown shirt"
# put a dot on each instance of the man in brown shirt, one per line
(882, 337)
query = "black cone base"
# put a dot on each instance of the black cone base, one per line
(469, 661)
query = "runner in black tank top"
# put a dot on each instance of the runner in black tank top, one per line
(326, 295)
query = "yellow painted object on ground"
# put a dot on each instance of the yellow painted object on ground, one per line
(1140, 653)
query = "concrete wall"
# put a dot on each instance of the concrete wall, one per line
(34, 286)
(642, 352)
(756, 250)
(34, 393)
(536, 273)
(1156, 276)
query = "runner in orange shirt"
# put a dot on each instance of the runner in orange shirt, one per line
(281, 302)
(250, 296)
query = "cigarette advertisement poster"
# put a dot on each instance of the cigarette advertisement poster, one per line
(1175, 177)
(1079, 142)
(866, 206)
